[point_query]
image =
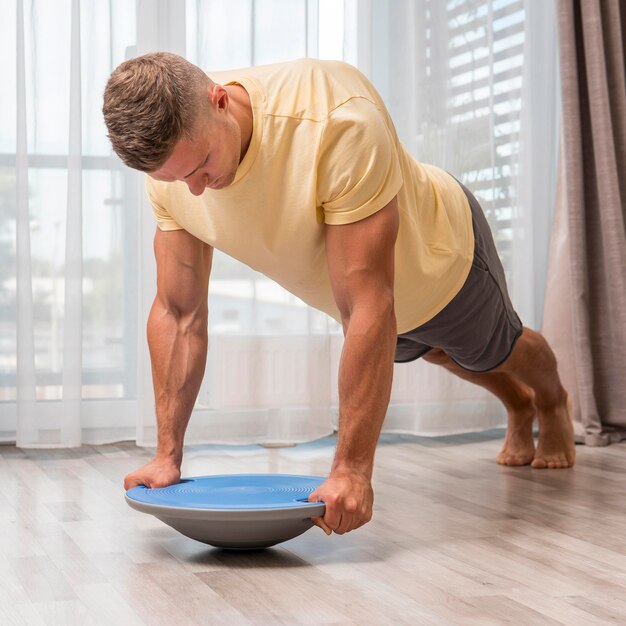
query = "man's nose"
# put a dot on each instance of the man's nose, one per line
(196, 186)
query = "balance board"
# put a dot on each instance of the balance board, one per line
(236, 511)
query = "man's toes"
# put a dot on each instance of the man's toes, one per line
(538, 463)
(513, 460)
(554, 463)
(516, 460)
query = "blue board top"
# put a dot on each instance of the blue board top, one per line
(232, 492)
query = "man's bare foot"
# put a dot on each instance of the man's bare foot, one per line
(555, 449)
(519, 445)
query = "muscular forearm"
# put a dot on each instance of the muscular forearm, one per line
(365, 376)
(178, 349)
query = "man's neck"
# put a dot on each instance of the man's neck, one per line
(242, 112)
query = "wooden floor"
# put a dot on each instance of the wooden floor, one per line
(455, 539)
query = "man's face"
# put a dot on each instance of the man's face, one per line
(211, 160)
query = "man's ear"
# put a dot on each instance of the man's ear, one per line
(218, 96)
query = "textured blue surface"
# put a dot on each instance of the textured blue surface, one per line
(233, 491)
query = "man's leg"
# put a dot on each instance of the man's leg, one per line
(530, 369)
(518, 398)
(533, 363)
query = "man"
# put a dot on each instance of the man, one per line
(296, 170)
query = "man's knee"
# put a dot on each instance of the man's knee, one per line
(533, 350)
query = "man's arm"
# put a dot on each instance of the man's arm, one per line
(178, 340)
(361, 267)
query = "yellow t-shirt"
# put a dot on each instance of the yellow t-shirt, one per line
(324, 150)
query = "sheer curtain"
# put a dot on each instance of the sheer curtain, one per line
(471, 86)
(69, 228)
(268, 377)
(77, 270)
(76, 236)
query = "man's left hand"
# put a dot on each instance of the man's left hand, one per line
(348, 497)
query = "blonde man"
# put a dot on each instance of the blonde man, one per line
(296, 170)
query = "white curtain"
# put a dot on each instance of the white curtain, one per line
(77, 272)
(472, 88)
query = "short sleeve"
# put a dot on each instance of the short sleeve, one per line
(157, 195)
(358, 169)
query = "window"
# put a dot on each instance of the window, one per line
(215, 35)
(479, 105)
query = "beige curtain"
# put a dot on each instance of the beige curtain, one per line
(585, 309)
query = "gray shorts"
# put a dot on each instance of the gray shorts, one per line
(479, 328)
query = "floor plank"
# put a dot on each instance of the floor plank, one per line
(455, 539)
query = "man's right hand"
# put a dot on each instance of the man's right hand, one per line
(157, 473)
(178, 340)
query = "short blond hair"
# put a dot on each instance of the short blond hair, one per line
(150, 103)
